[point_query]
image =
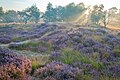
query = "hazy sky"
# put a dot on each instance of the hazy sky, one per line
(41, 4)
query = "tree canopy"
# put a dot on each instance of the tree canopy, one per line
(31, 13)
(66, 13)
(60, 13)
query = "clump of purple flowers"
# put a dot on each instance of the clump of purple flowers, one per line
(13, 66)
(5, 39)
(89, 42)
(101, 30)
(115, 70)
(111, 40)
(55, 55)
(58, 71)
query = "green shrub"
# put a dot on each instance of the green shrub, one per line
(97, 65)
(116, 51)
(35, 46)
(70, 56)
(38, 61)
(19, 39)
(35, 65)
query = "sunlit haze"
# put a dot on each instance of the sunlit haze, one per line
(41, 4)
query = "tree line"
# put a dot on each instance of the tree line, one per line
(33, 14)
(101, 16)
(59, 14)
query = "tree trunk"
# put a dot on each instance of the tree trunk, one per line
(25, 22)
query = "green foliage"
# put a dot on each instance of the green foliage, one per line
(87, 77)
(38, 61)
(25, 45)
(62, 13)
(35, 65)
(97, 65)
(10, 16)
(116, 51)
(19, 39)
(35, 46)
(104, 18)
(35, 13)
(69, 56)
(50, 14)
(103, 77)
(1, 11)
(98, 15)
(25, 15)
(71, 10)
(30, 13)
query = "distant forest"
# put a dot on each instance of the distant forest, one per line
(97, 15)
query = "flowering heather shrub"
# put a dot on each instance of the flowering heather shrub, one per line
(55, 55)
(76, 39)
(88, 32)
(101, 30)
(112, 71)
(13, 67)
(99, 33)
(108, 37)
(87, 50)
(86, 67)
(50, 78)
(57, 71)
(5, 39)
(89, 42)
(98, 47)
(78, 33)
(116, 70)
(111, 41)
(69, 56)
(95, 51)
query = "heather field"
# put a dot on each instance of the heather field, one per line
(59, 51)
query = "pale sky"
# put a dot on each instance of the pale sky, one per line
(41, 4)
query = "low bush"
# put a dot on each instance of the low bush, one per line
(57, 71)
(69, 56)
(13, 67)
(55, 56)
(35, 46)
(5, 39)
(116, 51)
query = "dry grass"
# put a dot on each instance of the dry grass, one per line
(113, 28)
